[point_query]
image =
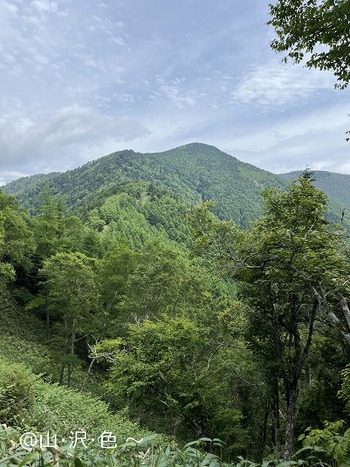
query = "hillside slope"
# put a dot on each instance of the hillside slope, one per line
(195, 172)
(137, 212)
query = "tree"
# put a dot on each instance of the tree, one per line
(48, 226)
(174, 379)
(72, 299)
(154, 284)
(16, 238)
(151, 369)
(113, 272)
(315, 31)
(54, 232)
(115, 268)
(291, 270)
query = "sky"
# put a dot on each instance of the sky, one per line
(84, 78)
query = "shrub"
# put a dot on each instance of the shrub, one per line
(17, 392)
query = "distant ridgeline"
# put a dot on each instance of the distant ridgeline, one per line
(190, 174)
(195, 172)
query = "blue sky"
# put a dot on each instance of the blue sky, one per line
(84, 78)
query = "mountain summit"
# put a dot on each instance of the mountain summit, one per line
(196, 172)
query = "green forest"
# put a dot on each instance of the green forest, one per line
(180, 308)
(162, 321)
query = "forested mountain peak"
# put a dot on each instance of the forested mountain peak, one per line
(196, 172)
(200, 149)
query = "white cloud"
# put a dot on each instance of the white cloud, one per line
(33, 143)
(71, 70)
(8, 18)
(8, 175)
(11, 7)
(276, 85)
(41, 5)
(176, 97)
(44, 7)
(74, 124)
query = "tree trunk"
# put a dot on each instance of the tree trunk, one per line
(71, 355)
(82, 387)
(64, 359)
(276, 417)
(292, 397)
(62, 373)
(47, 311)
(263, 435)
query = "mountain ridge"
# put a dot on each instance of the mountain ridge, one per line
(196, 172)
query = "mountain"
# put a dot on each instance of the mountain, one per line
(191, 174)
(195, 172)
(112, 300)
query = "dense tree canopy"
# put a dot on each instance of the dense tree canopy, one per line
(72, 295)
(291, 271)
(248, 347)
(16, 237)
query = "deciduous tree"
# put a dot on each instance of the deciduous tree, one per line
(314, 31)
(291, 270)
(72, 299)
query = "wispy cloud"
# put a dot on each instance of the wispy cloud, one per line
(315, 138)
(27, 141)
(81, 78)
(177, 93)
(274, 85)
